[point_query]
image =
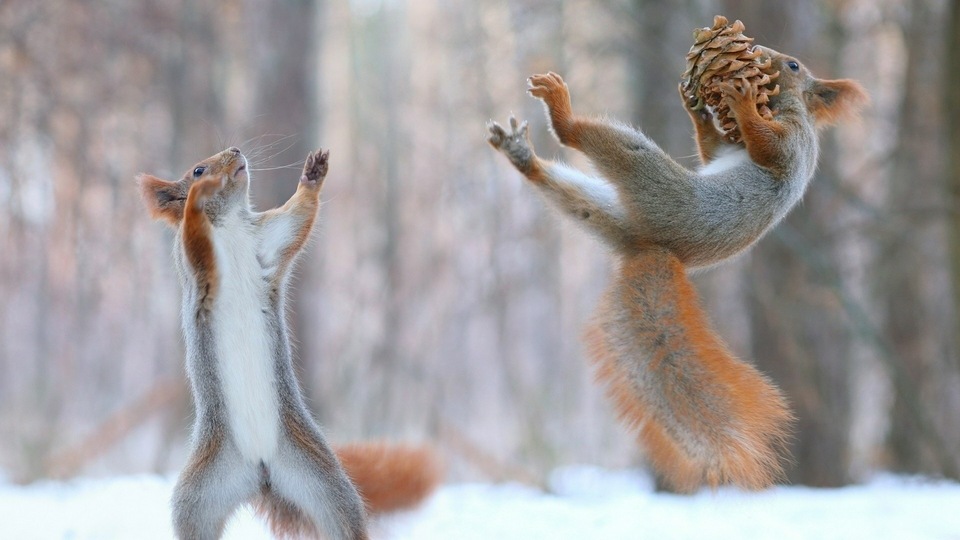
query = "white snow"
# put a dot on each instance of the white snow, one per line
(584, 503)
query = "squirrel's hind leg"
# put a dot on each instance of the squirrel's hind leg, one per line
(310, 483)
(211, 486)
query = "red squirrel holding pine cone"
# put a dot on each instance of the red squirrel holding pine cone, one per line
(702, 415)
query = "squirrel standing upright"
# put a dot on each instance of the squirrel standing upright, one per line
(253, 436)
(702, 415)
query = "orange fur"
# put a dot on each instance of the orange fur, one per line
(197, 236)
(283, 518)
(707, 137)
(556, 96)
(834, 100)
(763, 138)
(535, 172)
(390, 477)
(164, 199)
(702, 415)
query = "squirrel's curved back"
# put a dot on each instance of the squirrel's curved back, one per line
(701, 414)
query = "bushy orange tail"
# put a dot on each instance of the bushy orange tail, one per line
(702, 415)
(389, 476)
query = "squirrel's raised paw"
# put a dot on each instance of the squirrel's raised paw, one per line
(502, 140)
(690, 103)
(554, 93)
(315, 168)
(738, 96)
(548, 86)
(515, 143)
(207, 188)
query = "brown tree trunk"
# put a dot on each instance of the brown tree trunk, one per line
(951, 87)
(907, 322)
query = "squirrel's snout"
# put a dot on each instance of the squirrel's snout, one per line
(230, 155)
(232, 158)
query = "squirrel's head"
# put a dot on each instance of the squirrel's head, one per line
(828, 101)
(165, 199)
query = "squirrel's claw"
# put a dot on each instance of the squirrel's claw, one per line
(499, 136)
(521, 130)
(541, 86)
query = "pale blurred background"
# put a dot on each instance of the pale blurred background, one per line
(441, 301)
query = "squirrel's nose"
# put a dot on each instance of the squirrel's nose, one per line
(234, 149)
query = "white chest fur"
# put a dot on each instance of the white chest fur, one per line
(246, 365)
(729, 158)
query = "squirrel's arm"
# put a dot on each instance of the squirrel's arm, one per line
(707, 137)
(197, 236)
(589, 200)
(285, 230)
(620, 153)
(591, 136)
(763, 138)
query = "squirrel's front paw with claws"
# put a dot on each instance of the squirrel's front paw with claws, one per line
(315, 168)
(515, 144)
(701, 115)
(740, 98)
(548, 87)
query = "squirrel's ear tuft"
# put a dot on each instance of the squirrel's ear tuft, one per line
(832, 101)
(164, 199)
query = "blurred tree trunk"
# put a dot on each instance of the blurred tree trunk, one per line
(388, 92)
(951, 87)
(656, 63)
(908, 322)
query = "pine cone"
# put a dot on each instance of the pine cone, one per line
(723, 53)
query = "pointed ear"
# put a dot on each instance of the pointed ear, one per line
(832, 101)
(164, 200)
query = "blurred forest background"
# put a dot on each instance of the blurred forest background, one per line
(441, 300)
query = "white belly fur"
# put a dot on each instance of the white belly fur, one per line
(246, 365)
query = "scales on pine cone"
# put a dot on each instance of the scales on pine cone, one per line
(723, 53)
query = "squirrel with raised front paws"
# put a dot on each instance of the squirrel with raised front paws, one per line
(254, 440)
(701, 414)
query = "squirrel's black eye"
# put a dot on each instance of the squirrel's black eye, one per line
(794, 66)
(198, 171)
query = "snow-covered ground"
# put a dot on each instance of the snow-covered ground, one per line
(585, 503)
